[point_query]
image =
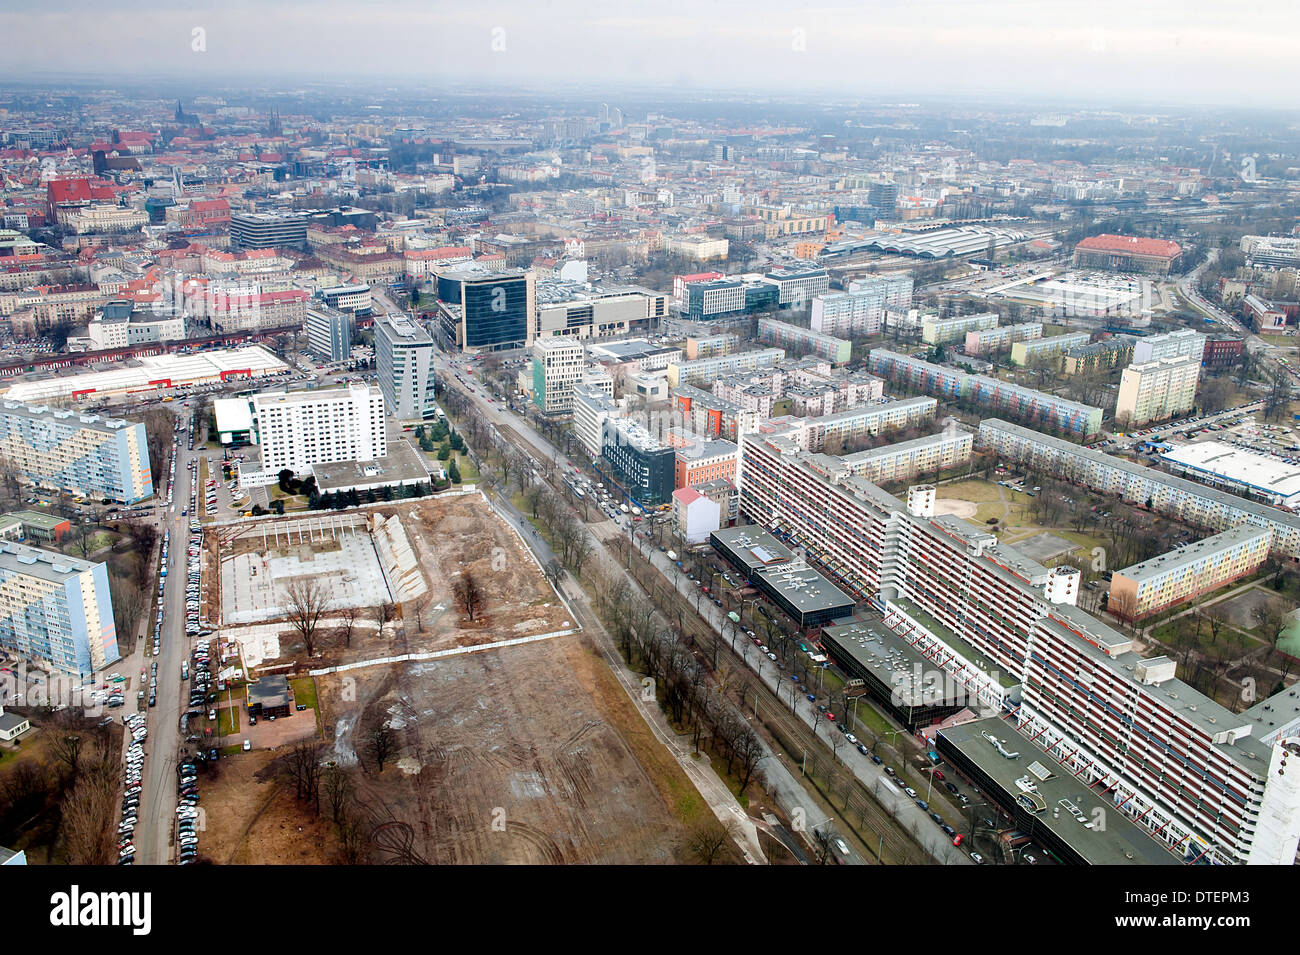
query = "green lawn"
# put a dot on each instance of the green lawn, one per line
(304, 691)
(468, 473)
(228, 720)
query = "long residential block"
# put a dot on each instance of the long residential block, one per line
(86, 455)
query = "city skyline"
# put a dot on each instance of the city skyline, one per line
(1166, 52)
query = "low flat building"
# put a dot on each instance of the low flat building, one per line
(785, 578)
(269, 697)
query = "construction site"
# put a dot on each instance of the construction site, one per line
(511, 739)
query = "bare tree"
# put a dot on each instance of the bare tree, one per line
(468, 594)
(749, 751)
(707, 840)
(336, 783)
(349, 615)
(307, 599)
(380, 744)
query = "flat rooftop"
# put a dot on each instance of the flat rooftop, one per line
(766, 558)
(1259, 472)
(401, 465)
(44, 564)
(893, 660)
(1121, 842)
(1190, 553)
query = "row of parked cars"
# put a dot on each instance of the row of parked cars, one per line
(135, 724)
(187, 811)
(194, 581)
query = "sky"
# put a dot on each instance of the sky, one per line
(1103, 51)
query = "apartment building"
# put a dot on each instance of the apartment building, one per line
(711, 346)
(1176, 344)
(558, 365)
(85, 455)
(1188, 571)
(1107, 353)
(1201, 781)
(795, 338)
(300, 429)
(702, 461)
(945, 331)
(1024, 352)
(404, 367)
(705, 371)
(994, 394)
(1163, 493)
(860, 310)
(811, 434)
(903, 461)
(56, 611)
(1157, 390)
(707, 414)
(982, 341)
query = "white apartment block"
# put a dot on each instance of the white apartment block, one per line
(1023, 352)
(1156, 390)
(1178, 344)
(861, 310)
(811, 434)
(591, 409)
(1163, 493)
(705, 371)
(558, 365)
(300, 429)
(944, 331)
(902, 461)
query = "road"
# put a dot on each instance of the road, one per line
(906, 812)
(154, 831)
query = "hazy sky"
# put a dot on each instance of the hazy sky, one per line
(1193, 51)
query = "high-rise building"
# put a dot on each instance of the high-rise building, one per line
(329, 333)
(861, 309)
(799, 339)
(1199, 781)
(404, 367)
(1156, 390)
(86, 455)
(557, 368)
(300, 429)
(1175, 344)
(483, 311)
(56, 610)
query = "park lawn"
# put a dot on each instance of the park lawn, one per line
(94, 542)
(1084, 540)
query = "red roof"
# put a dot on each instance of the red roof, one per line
(78, 190)
(1135, 245)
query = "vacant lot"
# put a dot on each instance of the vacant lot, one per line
(253, 818)
(528, 754)
(446, 537)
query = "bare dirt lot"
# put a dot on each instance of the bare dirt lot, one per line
(251, 818)
(527, 754)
